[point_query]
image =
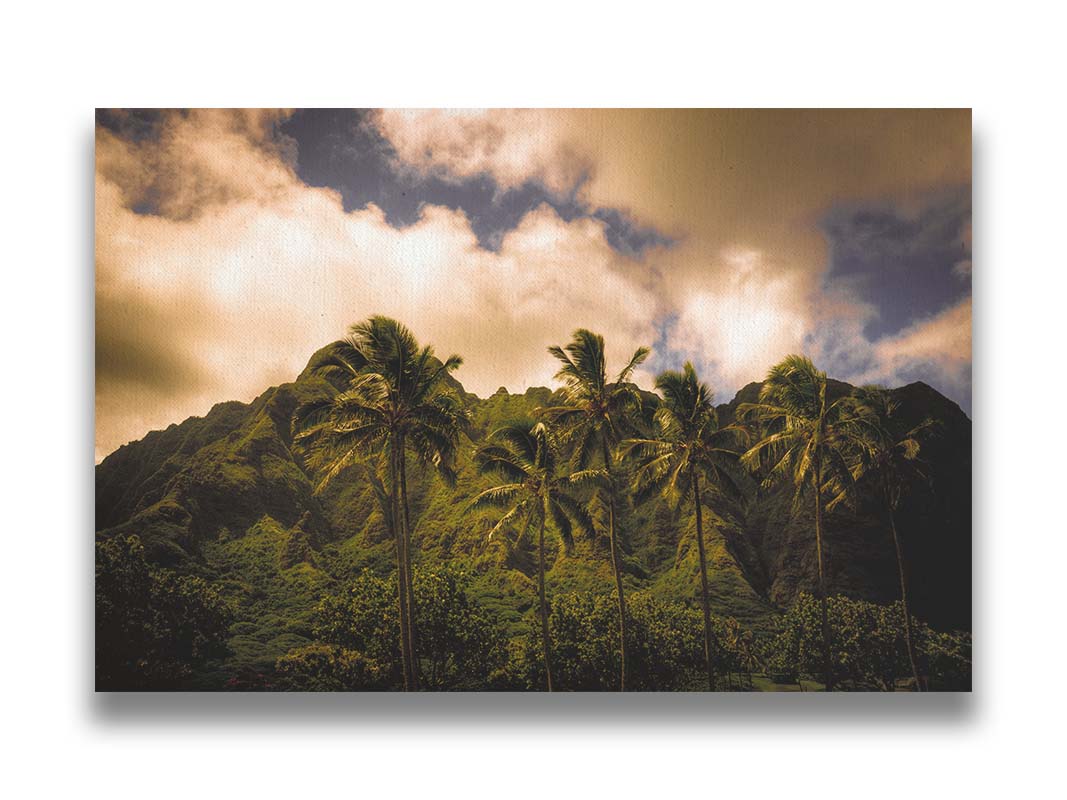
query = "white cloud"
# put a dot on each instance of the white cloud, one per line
(221, 303)
(940, 345)
(741, 320)
(742, 192)
(936, 349)
(246, 271)
(511, 145)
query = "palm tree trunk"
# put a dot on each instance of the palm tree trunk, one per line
(546, 643)
(827, 672)
(616, 566)
(904, 599)
(406, 520)
(703, 580)
(401, 566)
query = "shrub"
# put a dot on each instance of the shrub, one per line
(153, 627)
(458, 646)
(328, 668)
(868, 647)
(666, 645)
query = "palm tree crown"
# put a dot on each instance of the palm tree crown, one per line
(595, 414)
(393, 393)
(687, 439)
(689, 445)
(595, 417)
(806, 440)
(525, 455)
(890, 454)
(392, 398)
(811, 443)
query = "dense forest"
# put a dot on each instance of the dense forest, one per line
(373, 526)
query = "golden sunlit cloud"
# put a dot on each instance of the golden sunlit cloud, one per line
(943, 340)
(720, 182)
(219, 305)
(744, 320)
(242, 270)
(512, 145)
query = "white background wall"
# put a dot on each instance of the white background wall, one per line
(58, 63)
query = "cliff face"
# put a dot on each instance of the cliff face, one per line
(776, 549)
(198, 490)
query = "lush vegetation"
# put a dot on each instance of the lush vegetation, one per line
(527, 459)
(372, 526)
(689, 444)
(868, 647)
(153, 628)
(357, 638)
(389, 404)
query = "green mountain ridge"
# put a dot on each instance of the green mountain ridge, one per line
(226, 497)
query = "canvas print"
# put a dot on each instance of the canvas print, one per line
(533, 400)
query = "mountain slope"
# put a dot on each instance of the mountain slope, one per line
(227, 497)
(777, 552)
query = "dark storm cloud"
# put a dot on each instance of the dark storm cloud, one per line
(627, 236)
(220, 268)
(342, 150)
(135, 346)
(132, 124)
(907, 265)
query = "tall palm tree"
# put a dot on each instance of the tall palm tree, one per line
(525, 455)
(888, 458)
(394, 399)
(689, 445)
(809, 442)
(595, 418)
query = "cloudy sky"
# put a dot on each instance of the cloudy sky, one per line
(230, 245)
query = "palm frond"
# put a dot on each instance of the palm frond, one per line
(499, 460)
(577, 513)
(638, 358)
(562, 522)
(342, 360)
(585, 477)
(643, 449)
(310, 416)
(496, 497)
(506, 520)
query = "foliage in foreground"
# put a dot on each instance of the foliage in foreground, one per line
(666, 646)
(358, 648)
(868, 646)
(358, 638)
(229, 498)
(153, 628)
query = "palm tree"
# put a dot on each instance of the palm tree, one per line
(595, 419)
(888, 457)
(393, 400)
(809, 442)
(525, 454)
(689, 445)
